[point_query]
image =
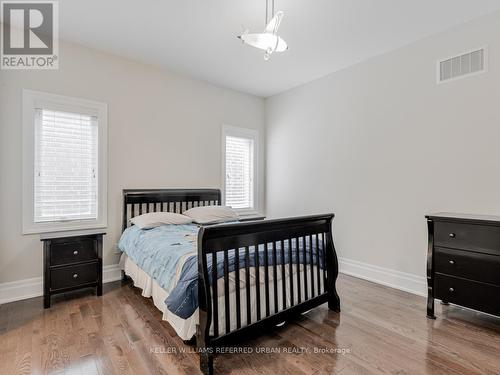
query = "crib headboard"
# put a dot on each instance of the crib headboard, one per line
(139, 201)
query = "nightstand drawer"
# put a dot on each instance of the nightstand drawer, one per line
(71, 276)
(479, 238)
(468, 265)
(73, 252)
(475, 295)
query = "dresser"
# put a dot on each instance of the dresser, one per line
(463, 261)
(70, 263)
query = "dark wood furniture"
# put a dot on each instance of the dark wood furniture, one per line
(70, 263)
(463, 262)
(217, 241)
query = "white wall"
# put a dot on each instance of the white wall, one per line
(381, 145)
(164, 132)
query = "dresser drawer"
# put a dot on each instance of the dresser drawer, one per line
(71, 276)
(474, 237)
(472, 294)
(468, 265)
(72, 252)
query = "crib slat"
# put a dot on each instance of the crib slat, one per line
(266, 276)
(318, 274)
(311, 261)
(237, 286)
(283, 273)
(275, 276)
(215, 295)
(226, 291)
(247, 284)
(257, 278)
(290, 262)
(147, 208)
(304, 251)
(323, 251)
(161, 206)
(133, 211)
(297, 253)
(140, 208)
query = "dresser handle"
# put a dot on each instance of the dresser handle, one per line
(75, 252)
(75, 276)
(452, 235)
(451, 290)
(452, 262)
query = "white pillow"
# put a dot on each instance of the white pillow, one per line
(155, 219)
(212, 214)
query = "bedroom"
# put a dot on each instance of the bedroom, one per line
(351, 119)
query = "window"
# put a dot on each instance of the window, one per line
(64, 163)
(240, 150)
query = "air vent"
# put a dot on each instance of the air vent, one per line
(462, 66)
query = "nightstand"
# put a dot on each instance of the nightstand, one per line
(70, 263)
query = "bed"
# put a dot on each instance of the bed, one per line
(265, 272)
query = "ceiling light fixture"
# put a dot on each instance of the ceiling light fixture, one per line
(268, 41)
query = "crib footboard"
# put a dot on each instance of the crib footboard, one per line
(255, 275)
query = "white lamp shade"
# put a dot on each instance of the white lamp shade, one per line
(265, 41)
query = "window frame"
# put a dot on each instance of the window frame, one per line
(32, 100)
(253, 134)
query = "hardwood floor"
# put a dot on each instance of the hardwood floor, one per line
(380, 330)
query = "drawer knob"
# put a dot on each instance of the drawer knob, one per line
(75, 252)
(452, 262)
(75, 276)
(452, 235)
(451, 290)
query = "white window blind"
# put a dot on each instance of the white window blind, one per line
(65, 166)
(239, 192)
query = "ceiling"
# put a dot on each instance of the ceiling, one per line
(198, 37)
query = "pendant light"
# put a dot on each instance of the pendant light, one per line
(268, 41)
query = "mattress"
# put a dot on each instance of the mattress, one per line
(186, 328)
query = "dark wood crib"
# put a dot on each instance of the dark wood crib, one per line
(313, 274)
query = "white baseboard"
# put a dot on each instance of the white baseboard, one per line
(29, 288)
(111, 273)
(395, 279)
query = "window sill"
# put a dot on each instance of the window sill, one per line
(250, 215)
(52, 228)
(252, 218)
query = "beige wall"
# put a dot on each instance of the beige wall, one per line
(164, 131)
(381, 144)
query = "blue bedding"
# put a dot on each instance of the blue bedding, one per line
(158, 251)
(162, 251)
